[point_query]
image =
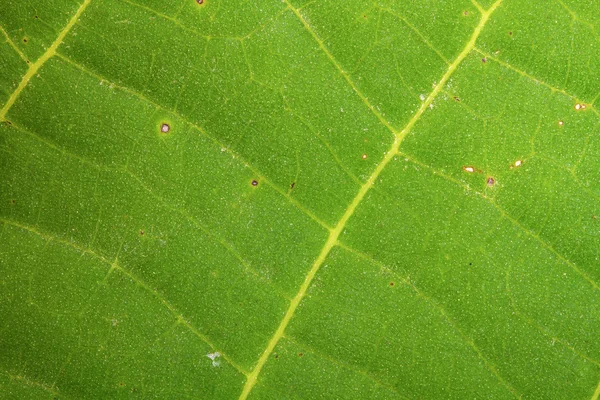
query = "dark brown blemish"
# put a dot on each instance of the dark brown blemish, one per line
(165, 128)
(292, 185)
(142, 233)
(510, 33)
(491, 181)
(36, 17)
(121, 384)
(200, 2)
(276, 356)
(25, 40)
(300, 354)
(456, 98)
(484, 60)
(392, 284)
(254, 182)
(470, 263)
(12, 201)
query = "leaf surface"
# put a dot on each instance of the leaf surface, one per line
(299, 199)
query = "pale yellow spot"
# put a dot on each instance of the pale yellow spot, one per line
(364, 156)
(469, 169)
(518, 163)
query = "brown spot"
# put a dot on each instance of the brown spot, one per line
(300, 354)
(392, 284)
(364, 16)
(12, 201)
(165, 128)
(25, 40)
(254, 182)
(510, 33)
(456, 98)
(276, 356)
(466, 13)
(484, 60)
(36, 17)
(200, 2)
(142, 233)
(292, 185)
(491, 181)
(121, 384)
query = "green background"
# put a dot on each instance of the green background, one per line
(375, 200)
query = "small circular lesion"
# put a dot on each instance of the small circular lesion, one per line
(165, 128)
(254, 182)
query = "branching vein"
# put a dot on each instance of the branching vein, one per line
(391, 153)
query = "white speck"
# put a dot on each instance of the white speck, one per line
(469, 169)
(223, 149)
(213, 357)
(341, 110)
(422, 97)
(518, 163)
(431, 106)
(561, 123)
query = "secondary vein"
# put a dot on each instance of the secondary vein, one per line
(33, 68)
(389, 156)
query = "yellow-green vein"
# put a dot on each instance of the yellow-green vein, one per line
(390, 154)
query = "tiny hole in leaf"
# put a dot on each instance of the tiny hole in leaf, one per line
(165, 128)
(254, 182)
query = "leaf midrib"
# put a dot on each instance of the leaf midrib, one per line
(389, 156)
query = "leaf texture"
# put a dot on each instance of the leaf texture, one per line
(299, 199)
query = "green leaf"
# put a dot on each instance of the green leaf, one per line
(299, 199)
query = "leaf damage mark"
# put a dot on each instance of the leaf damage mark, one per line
(254, 182)
(580, 106)
(214, 358)
(491, 181)
(165, 128)
(364, 156)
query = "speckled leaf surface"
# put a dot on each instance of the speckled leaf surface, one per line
(391, 199)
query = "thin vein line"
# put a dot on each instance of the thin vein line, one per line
(345, 75)
(344, 365)
(528, 76)
(114, 265)
(33, 68)
(120, 169)
(335, 232)
(418, 32)
(467, 339)
(212, 138)
(513, 220)
(13, 45)
(30, 382)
